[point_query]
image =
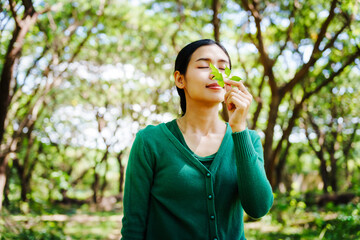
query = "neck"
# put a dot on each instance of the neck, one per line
(201, 119)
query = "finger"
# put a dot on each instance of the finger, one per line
(239, 85)
(238, 92)
(237, 103)
(233, 96)
(232, 82)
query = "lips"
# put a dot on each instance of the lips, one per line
(214, 85)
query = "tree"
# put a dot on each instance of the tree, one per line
(22, 26)
(37, 103)
(330, 126)
(302, 29)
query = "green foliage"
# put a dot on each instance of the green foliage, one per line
(121, 80)
(295, 216)
(48, 231)
(219, 77)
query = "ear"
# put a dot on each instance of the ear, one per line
(179, 80)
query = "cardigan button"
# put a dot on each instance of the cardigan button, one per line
(208, 174)
(212, 217)
(215, 238)
(210, 196)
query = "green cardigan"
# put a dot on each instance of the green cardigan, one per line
(171, 195)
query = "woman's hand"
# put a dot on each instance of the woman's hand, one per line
(238, 100)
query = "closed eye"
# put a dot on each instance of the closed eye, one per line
(203, 67)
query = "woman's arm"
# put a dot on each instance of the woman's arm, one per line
(138, 181)
(254, 188)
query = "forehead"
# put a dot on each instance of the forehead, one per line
(212, 52)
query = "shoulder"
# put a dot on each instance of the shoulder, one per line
(150, 129)
(151, 133)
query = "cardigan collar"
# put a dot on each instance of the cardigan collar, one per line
(190, 156)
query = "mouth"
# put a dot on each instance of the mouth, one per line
(213, 86)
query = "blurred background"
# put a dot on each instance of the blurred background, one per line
(80, 78)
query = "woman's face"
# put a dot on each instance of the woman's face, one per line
(199, 83)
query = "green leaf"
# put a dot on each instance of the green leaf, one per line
(235, 78)
(214, 69)
(227, 71)
(217, 75)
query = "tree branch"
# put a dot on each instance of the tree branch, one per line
(216, 20)
(259, 101)
(288, 31)
(12, 5)
(347, 147)
(264, 57)
(314, 55)
(179, 23)
(350, 60)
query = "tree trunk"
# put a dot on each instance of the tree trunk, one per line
(122, 172)
(3, 166)
(7, 189)
(7, 76)
(269, 157)
(281, 165)
(12, 54)
(95, 186)
(216, 20)
(333, 179)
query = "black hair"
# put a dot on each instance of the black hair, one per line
(183, 59)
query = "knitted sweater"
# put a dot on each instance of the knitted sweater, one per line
(171, 195)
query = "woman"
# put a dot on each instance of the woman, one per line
(191, 178)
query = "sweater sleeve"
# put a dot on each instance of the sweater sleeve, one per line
(254, 188)
(138, 181)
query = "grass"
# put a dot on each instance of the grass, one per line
(289, 219)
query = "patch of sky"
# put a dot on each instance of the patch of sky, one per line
(273, 49)
(245, 48)
(165, 97)
(340, 120)
(339, 45)
(283, 108)
(289, 61)
(265, 23)
(326, 73)
(166, 117)
(136, 107)
(81, 31)
(336, 66)
(208, 27)
(312, 135)
(306, 51)
(342, 91)
(343, 36)
(323, 14)
(326, 52)
(239, 17)
(261, 134)
(355, 120)
(254, 73)
(297, 135)
(251, 26)
(278, 132)
(25, 63)
(167, 66)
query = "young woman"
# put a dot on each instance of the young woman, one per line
(191, 178)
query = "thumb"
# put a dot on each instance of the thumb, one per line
(227, 87)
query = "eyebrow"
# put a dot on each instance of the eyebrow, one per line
(209, 60)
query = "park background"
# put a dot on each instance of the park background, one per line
(80, 78)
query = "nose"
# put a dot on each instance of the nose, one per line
(211, 76)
